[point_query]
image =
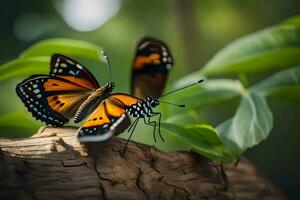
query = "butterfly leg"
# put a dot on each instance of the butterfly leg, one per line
(147, 123)
(152, 123)
(132, 130)
(130, 127)
(159, 121)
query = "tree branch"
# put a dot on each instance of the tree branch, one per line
(52, 164)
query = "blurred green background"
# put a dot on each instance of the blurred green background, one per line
(194, 30)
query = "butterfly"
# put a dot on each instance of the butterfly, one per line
(150, 68)
(56, 98)
(71, 91)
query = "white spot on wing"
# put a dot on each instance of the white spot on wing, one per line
(71, 72)
(36, 91)
(103, 137)
(63, 65)
(71, 62)
(79, 66)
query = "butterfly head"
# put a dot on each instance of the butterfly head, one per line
(153, 101)
(109, 86)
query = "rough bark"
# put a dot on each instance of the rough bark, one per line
(53, 165)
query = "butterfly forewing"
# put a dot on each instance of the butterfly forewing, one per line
(107, 120)
(48, 104)
(151, 64)
(32, 94)
(58, 84)
(55, 98)
(69, 69)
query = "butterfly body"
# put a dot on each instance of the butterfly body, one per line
(143, 108)
(93, 101)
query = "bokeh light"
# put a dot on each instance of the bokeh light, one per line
(87, 15)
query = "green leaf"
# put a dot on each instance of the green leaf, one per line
(202, 139)
(273, 48)
(18, 119)
(251, 125)
(184, 118)
(24, 67)
(208, 92)
(70, 47)
(295, 20)
(36, 59)
(284, 84)
(144, 134)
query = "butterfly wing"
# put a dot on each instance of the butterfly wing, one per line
(124, 100)
(70, 69)
(151, 65)
(107, 120)
(55, 98)
(51, 99)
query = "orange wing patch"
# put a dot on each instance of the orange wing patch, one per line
(53, 84)
(98, 117)
(125, 99)
(140, 61)
(66, 104)
(107, 120)
(113, 109)
(79, 81)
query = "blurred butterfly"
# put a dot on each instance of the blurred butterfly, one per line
(151, 65)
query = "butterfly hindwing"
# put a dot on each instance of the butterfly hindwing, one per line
(107, 120)
(51, 99)
(69, 69)
(151, 65)
(124, 100)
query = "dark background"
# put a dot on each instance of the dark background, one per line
(194, 30)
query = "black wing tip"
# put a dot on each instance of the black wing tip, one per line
(30, 78)
(54, 58)
(56, 55)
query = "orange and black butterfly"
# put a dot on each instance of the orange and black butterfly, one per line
(150, 69)
(71, 91)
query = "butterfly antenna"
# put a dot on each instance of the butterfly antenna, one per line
(173, 104)
(190, 85)
(108, 63)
